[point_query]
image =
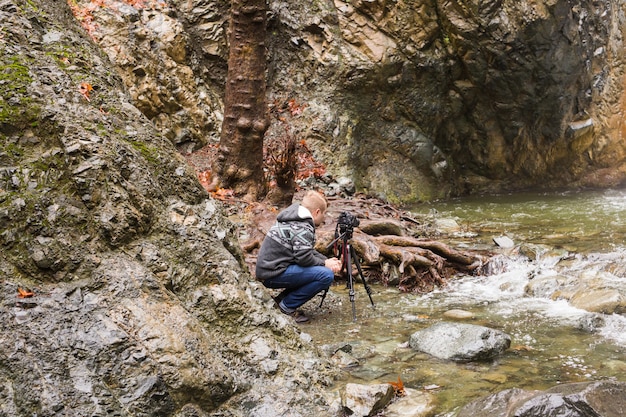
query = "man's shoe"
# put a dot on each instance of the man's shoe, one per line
(298, 316)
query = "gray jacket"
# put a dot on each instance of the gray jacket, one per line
(291, 240)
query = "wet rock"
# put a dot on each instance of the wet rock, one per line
(336, 347)
(458, 314)
(591, 323)
(413, 404)
(447, 225)
(533, 251)
(344, 360)
(590, 290)
(504, 242)
(460, 342)
(600, 300)
(495, 405)
(601, 399)
(544, 286)
(365, 400)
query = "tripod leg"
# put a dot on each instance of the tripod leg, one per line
(323, 297)
(343, 257)
(348, 264)
(360, 270)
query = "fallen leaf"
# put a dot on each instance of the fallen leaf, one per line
(84, 89)
(398, 387)
(22, 293)
(521, 348)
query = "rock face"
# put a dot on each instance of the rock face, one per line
(460, 342)
(412, 100)
(124, 291)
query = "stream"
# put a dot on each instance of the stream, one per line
(549, 346)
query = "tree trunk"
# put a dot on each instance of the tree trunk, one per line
(239, 163)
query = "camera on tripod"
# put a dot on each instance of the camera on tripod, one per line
(344, 251)
(346, 224)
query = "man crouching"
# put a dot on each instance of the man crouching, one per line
(288, 259)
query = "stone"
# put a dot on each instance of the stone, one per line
(413, 403)
(364, 400)
(344, 360)
(447, 225)
(458, 314)
(460, 342)
(600, 300)
(600, 398)
(504, 242)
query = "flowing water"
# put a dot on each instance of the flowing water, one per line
(548, 346)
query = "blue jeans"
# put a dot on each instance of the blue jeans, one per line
(301, 283)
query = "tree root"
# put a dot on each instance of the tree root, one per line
(388, 245)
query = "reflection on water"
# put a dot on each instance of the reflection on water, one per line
(583, 222)
(549, 346)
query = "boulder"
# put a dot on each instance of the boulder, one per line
(413, 403)
(587, 399)
(460, 342)
(364, 400)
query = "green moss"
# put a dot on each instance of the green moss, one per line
(16, 106)
(12, 150)
(62, 56)
(34, 7)
(150, 153)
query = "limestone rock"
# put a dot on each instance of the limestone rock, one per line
(365, 400)
(460, 342)
(459, 314)
(413, 404)
(504, 242)
(138, 299)
(411, 101)
(601, 398)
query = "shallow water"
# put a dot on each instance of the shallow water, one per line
(592, 221)
(548, 345)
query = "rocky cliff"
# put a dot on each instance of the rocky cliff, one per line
(412, 100)
(123, 288)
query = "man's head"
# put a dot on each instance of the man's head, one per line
(316, 203)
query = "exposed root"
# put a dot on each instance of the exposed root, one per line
(391, 245)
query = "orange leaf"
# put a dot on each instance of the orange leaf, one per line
(521, 348)
(223, 194)
(398, 387)
(205, 179)
(84, 89)
(22, 293)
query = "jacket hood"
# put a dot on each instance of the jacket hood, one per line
(295, 212)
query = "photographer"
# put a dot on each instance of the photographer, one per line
(288, 259)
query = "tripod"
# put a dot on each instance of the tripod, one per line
(345, 252)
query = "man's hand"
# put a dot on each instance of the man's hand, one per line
(333, 264)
